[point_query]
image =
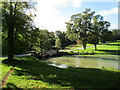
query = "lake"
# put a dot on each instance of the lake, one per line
(86, 61)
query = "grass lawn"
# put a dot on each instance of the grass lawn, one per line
(77, 46)
(30, 72)
(110, 48)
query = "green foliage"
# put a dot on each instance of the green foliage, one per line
(58, 34)
(94, 33)
(80, 25)
(71, 33)
(41, 40)
(86, 27)
(64, 41)
(25, 36)
(58, 43)
(116, 34)
(16, 27)
(106, 36)
(110, 36)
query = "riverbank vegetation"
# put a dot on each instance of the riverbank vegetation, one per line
(30, 72)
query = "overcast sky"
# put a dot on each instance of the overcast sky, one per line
(52, 14)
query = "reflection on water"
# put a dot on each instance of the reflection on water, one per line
(91, 61)
(77, 61)
(60, 66)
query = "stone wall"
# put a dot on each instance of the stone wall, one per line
(45, 53)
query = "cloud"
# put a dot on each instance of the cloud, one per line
(108, 16)
(53, 23)
(56, 3)
(51, 3)
(77, 3)
(50, 17)
(108, 12)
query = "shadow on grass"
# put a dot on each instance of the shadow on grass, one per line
(113, 44)
(116, 52)
(73, 77)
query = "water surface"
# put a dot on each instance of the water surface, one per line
(87, 61)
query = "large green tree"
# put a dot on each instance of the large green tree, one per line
(79, 25)
(16, 23)
(99, 26)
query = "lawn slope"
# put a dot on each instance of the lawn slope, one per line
(30, 72)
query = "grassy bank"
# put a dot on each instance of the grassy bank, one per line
(32, 73)
(110, 48)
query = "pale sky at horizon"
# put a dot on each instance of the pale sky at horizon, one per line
(52, 14)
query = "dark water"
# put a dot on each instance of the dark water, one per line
(87, 61)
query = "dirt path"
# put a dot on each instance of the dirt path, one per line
(5, 78)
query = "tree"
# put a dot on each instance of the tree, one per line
(42, 40)
(80, 25)
(93, 37)
(116, 34)
(98, 27)
(106, 35)
(63, 39)
(71, 34)
(46, 42)
(58, 43)
(58, 34)
(15, 23)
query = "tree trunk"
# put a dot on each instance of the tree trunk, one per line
(11, 34)
(84, 44)
(95, 46)
(10, 43)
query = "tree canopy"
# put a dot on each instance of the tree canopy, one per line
(16, 26)
(79, 25)
(86, 27)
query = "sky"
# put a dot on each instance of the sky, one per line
(52, 14)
